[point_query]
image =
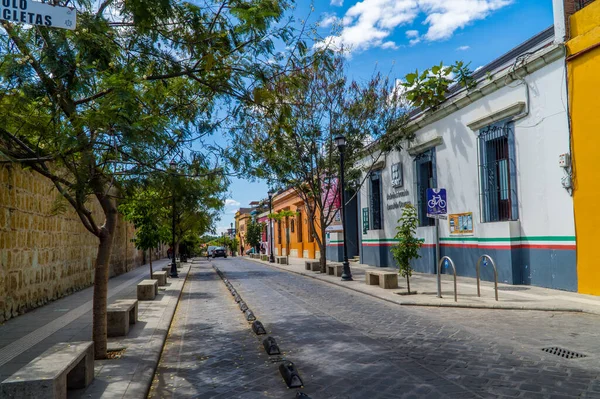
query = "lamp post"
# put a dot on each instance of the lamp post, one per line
(271, 256)
(340, 141)
(173, 165)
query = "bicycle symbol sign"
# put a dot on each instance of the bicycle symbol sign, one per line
(436, 202)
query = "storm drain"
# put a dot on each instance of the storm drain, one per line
(567, 354)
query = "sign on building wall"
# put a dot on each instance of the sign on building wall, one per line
(365, 220)
(437, 207)
(37, 13)
(397, 175)
(461, 223)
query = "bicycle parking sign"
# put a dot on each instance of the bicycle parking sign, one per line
(437, 207)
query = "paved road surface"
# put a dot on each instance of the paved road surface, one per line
(349, 345)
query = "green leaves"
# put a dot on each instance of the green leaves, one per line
(408, 245)
(428, 89)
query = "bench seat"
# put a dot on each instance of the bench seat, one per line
(161, 277)
(312, 265)
(119, 315)
(66, 365)
(282, 260)
(382, 278)
(147, 290)
(335, 269)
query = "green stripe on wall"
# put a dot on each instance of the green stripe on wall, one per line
(499, 239)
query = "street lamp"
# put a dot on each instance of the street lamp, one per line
(271, 256)
(340, 141)
(173, 166)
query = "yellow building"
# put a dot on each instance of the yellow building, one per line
(242, 219)
(583, 74)
(301, 242)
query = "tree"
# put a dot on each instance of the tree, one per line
(408, 245)
(428, 89)
(125, 93)
(254, 234)
(289, 138)
(145, 209)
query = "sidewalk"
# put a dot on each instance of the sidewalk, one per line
(70, 319)
(515, 297)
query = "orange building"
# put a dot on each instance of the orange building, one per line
(301, 243)
(242, 219)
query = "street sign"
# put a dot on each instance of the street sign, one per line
(36, 13)
(437, 207)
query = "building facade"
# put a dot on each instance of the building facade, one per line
(293, 235)
(500, 150)
(583, 60)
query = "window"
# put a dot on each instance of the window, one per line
(279, 231)
(299, 226)
(397, 178)
(311, 237)
(425, 177)
(293, 225)
(375, 195)
(497, 172)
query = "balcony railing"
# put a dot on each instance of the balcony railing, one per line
(582, 3)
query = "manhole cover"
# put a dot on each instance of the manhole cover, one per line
(567, 354)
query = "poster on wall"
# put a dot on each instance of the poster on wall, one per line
(461, 223)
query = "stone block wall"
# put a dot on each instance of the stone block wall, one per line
(45, 251)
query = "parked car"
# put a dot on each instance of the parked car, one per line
(210, 250)
(219, 252)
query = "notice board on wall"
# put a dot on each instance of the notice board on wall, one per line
(461, 223)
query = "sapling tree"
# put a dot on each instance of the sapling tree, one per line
(408, 246)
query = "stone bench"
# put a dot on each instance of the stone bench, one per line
(147, 290)
(66, 365)
(264, 257)
(282, 260)
(166, 269)
(312, 265)
(161, 277)
(119, 315)
(335, 270)
(384, 279)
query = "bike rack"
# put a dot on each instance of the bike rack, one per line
(439, 276)
(495, 274)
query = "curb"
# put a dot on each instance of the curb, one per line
(163, 337)
(433, 305)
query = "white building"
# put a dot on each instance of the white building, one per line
(496, 150)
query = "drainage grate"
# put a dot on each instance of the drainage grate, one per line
(567, 354)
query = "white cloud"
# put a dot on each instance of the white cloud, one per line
(337, 3)
(463, 48)
(231, 203)
(328, 20)
(389, 45)
(369, 23)
(411, 34)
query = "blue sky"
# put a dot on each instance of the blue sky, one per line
(399, 36)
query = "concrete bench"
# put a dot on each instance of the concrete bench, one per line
(119, 315)
(147, 290)
(66, 365)
(282, 260)
(335, 270)
(385, 279)
(166, 269)
(264, 257)
(312, 265)
(161, 277)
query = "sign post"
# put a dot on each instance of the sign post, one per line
(437, 208)
(37, 13)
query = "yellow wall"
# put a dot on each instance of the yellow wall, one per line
(290, 201)
(584, 85)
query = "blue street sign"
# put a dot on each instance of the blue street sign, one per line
(436, 202)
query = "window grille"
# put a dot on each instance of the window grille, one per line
(497, 171)
(582, 3)
(375, 193)
(425, 177)
(300, 227)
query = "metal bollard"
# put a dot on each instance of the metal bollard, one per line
(440, 274)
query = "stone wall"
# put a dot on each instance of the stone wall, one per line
(45, 251)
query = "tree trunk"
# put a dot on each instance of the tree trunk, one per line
(323, 249)
(150, 251)
(106, 235)
(408, 283)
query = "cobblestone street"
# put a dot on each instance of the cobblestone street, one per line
(350, 345)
